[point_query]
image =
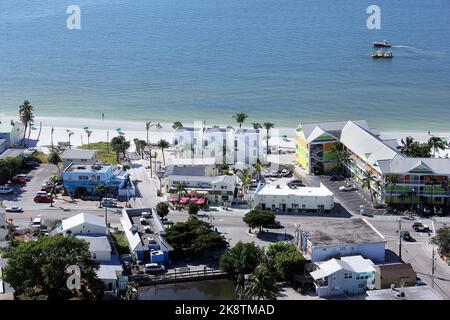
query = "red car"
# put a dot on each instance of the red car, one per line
(43, 199)
(18, 179)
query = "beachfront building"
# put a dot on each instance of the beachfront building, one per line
(79, 157)
(285, 199)
(397, 274)
(418, 182)
(82, 179)
(351, 275)
(201, 181)
(12, 133)
(226, 146)
(334, 238)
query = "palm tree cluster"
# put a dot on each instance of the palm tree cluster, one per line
(415, 149)
(140, 146)
(119, 146)
(240, 118)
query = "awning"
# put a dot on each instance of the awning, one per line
(184, 200)
(201, 201)
(194, 199)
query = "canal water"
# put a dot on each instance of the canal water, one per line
(196, 290)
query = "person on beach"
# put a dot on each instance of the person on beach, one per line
(103, 116)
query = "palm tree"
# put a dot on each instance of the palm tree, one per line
(432, 183)
(177, 124)
(391, 181)
(367, 182)
(163, 144)
(70, 133)
(377, 184)
(119, 145)
(246, 180)
(261, 285)
(26, 116)
(436, 144)
(180, 188)
(155, 155)
(268, 126)
(88, 132)
(258, 167)
(51, 137)
(100, 189)
(240, 118)
(407, 146)
(257, 125)
(55, 159)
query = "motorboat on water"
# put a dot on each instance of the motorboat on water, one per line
(383, 44)
(388, 55)
(377, 55)
(382, 54)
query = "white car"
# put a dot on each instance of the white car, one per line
(349, 187)
(14, 209)
(5, 190)
(154, 268)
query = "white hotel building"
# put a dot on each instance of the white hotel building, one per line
(226, 146)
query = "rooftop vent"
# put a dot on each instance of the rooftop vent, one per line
(278, 186)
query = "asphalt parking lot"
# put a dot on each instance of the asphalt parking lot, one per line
(63, 207)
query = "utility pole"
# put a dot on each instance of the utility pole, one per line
(400, 235)
(433, 268)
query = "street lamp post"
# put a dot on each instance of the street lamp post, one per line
(413, 192)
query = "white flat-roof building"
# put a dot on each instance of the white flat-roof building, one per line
(324, 239)
(302, 199)
(226, 146)
(84, 224)
(405, 293)
(99, 247)
(12, 131)
(79, 156)
(348, 275)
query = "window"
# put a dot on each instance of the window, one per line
(348, 275)
(254, 153)
(255, 143)
(94, 255)
(273, 207)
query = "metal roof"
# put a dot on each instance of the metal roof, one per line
(96, 244)
(79, 154)
(402, 165)
(83, 218)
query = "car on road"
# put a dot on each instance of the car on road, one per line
(20, 178)
(406, 236)
(31, 164)
(420, 227)
(43, 199)
(108, 203)
(14, 209)
(366, 214)
(285, 173)
(154, 268)
(6, 190)
(168, 222)
(275, 225)
(295, 183)
(348, 187)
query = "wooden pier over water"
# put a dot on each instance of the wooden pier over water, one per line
(178, 275)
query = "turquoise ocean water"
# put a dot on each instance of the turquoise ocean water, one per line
(284, 61)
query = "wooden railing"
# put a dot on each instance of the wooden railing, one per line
(178, 276)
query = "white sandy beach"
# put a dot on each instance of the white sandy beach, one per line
(101, 128)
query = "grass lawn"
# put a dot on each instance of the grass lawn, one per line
(120, 241)
(41, 156)
(102, 148)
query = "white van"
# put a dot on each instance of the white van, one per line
(5, 190)
(36, 222)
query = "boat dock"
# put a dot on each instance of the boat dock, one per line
(179, 275)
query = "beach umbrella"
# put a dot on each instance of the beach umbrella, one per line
(86, 128)
(118, 129)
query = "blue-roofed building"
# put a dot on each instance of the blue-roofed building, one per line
(82, 179)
